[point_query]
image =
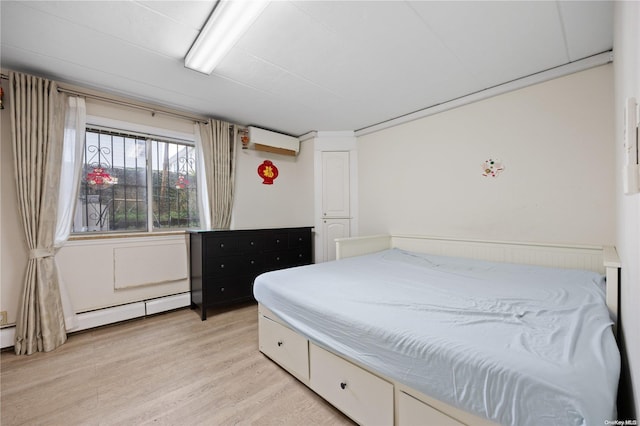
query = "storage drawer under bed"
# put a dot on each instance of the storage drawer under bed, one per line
(363, 396)
(412, 411)
(284, 346)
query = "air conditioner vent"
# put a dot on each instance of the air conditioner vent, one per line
(276, 143)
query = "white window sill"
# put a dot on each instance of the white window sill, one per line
(113, 235)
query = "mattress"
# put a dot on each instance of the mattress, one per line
(517, 344)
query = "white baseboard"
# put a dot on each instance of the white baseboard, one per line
(109, 316)
(7, 337)
(112, 315)
(168, 303)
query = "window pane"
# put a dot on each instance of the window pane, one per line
(174, 185)
(113, 187)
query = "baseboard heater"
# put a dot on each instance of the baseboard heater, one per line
(113, 314)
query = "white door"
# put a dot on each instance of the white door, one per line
(335, 184)
(332, 229)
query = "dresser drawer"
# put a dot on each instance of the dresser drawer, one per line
(277, 260)
(299, 256)
(233, 265)
(300, 239)
(220, 246)
(364, 397)
(219, 291)
(412, 411)
(276, 241)
(250, 243)
(285, 347)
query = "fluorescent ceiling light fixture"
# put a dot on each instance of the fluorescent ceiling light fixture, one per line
(228, 22)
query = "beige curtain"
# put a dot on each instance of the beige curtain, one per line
(37, 123)
(217, 147)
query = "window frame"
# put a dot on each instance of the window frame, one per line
(146, 132)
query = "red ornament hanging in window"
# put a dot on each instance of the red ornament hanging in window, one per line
(98, 177)
(268, 172)
(182, 182)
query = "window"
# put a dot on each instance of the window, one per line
(133, 183)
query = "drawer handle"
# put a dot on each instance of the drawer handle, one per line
(222, 289)
(343, 385)
(221, 245)
(280, 342)
(299, 238)
(278, 258)
(252, 243)
(300, 255)
(222, 266)
(277, 241)
(253, 261)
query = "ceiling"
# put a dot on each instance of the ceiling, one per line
(303, 65)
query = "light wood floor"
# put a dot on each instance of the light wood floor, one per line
(169, 369)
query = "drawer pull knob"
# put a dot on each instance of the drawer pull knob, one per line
(252, 243)
(222, 266)
(253, 261)
(278, 258)
(221, 245)
(222, 289)
(280, 342)
(343, 385)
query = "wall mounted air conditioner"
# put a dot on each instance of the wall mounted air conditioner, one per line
(276, 143)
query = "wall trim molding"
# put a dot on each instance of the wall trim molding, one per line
(550, 74)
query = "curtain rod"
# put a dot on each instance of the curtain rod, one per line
(153, 111)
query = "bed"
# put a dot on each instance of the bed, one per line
(412, 330)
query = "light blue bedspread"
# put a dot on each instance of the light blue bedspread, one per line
(517, 344)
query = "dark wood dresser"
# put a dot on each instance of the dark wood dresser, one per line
(225, 263)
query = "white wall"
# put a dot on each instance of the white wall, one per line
(288, 202)
(627, 84)
(555, 140)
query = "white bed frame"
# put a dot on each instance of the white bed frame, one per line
(371, 398)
